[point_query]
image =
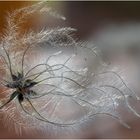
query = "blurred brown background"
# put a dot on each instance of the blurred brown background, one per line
(87, 18)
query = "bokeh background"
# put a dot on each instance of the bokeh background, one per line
(90, 19)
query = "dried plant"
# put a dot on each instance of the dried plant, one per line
(38, 92)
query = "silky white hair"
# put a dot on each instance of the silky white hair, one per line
(71, 93)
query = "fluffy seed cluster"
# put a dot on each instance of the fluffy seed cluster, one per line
(39, 89)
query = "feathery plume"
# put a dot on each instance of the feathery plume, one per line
(40, 92)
